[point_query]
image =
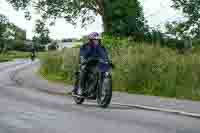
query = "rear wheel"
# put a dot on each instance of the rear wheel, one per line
(104, 94)
(78, 100)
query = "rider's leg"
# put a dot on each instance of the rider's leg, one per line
(82, 81)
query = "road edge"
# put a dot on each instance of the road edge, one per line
(150, 108)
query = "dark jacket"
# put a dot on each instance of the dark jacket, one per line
(88, 50)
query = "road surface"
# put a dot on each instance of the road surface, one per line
(27, 110)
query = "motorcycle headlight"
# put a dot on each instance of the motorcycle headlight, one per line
(83, 67)
(107, 73)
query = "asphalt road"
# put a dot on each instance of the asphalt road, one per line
(27, 110)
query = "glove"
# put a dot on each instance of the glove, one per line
(82, 60)
(112, 65)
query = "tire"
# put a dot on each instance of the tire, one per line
(78, 100)
(105, 85)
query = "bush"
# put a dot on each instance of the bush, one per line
(111, 42)
(52, 47)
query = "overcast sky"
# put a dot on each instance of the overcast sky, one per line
(157, 12)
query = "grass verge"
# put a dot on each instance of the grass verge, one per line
(13, 55)
(9, 56)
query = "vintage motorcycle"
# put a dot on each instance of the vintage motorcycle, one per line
(33, 56)
(95, 85)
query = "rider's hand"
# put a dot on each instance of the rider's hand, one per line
(83, 60)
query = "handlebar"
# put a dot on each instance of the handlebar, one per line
(95, 60)
(98, 60)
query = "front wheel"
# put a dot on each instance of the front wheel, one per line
(77, 99)
(104, 94)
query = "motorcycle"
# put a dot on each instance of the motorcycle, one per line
(32, 56)
(96, 85)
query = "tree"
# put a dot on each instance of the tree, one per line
(124, 17)
(41, 33)
(20, 37)
(8, 37)
(117, 15)
(3, 28)
(176, 29)
(191, 10)
(11, 36)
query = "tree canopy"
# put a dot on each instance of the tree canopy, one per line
(191, 10)
(41, 33)
(10, 35)
(124, 17)
(119, 16)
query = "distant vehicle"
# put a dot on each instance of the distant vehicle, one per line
(33, 53)
(33, 56)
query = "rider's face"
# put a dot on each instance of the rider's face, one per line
(96, 42)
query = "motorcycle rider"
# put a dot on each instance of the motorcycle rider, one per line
(33, 52)
(91, 49)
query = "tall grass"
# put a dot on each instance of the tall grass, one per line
(60, 66)
(141, 69)
(157, 71)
